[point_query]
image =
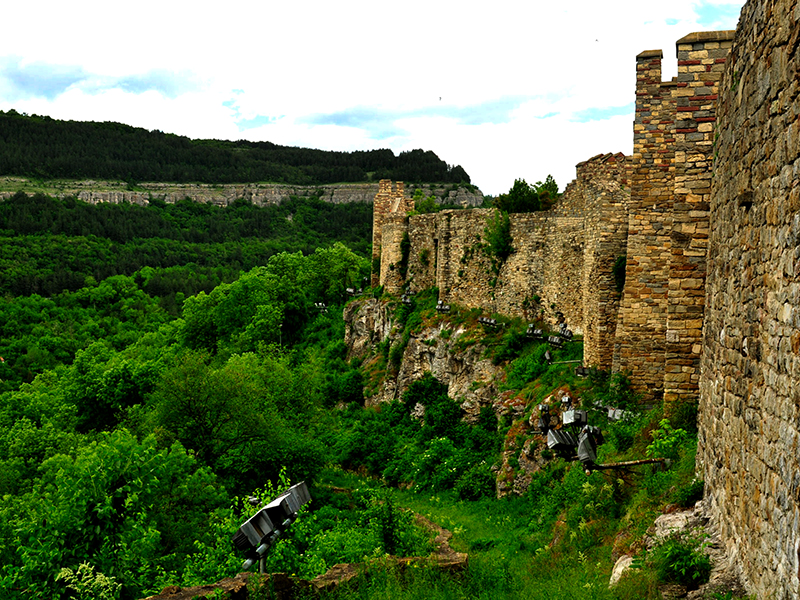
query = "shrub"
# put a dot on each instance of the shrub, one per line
(477, 482)
(680, 559)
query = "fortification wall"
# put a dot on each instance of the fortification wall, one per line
(750, 368)
(545, 277)
(660, 319)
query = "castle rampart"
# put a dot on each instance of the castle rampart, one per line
(749, 421)
(556, 253)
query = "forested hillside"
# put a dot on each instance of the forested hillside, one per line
(46, 148)
(74, 273)
(171, 367)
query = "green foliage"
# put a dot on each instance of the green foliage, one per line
(497, 235)
(47, 148)
(667, 441)
(682, 560)
(405, 250)
(124, 506)
(89, 584)
(527, 368)
(521, 198)
(524, 197)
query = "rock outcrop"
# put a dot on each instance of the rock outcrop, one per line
(444, 350)
(260, 194)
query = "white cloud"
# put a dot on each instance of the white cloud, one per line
(204, 70)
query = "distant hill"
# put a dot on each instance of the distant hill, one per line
(46, 148)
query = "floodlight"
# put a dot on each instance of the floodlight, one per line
(254, 532)
(574, 417)
(259, 532)
(561, 441)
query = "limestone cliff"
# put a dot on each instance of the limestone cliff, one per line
(260, 194)
(444, 350)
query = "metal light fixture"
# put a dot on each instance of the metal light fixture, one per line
(256, 535)
(487, 321)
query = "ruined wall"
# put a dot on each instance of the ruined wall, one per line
(548, 271)
(605, 182)
(750, 369)
(389, 201)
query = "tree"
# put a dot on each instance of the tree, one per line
(521, 198)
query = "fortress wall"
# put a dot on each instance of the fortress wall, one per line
(642, 320)
(750, 368)
(388, 201)
(394, 229)
(545, 276)
(422, 259)
(701, 61)
(606, 232)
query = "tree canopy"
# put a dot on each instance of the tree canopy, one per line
(46, 148)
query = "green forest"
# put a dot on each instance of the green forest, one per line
(41, 147)
(162, 364)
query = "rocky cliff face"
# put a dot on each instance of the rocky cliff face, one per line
(444, 351)
(260, 194)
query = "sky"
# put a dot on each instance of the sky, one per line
(508, 89)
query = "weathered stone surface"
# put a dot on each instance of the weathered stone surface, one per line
(469, 376)
(260, 194)
(750, 364)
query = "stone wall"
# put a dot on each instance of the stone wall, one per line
(548, 271)
(750, 367)
(701, 61)
(660, 320)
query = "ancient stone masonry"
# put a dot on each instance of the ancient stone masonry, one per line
(562, 261)
(660, 321)
(749, 444)
(388, 202)
(707, 210)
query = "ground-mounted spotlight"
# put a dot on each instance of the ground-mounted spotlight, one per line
(562, 442)
(321, 307)
(256, 535)
(442, 307)
(582, 371)
(352, 291)
(534, 332)
(487, 322)
(576, 418)
(555, 341)
(588, 441)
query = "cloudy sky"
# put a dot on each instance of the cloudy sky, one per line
(507, 89)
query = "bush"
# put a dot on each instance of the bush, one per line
(680, 559)
(476, 483)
